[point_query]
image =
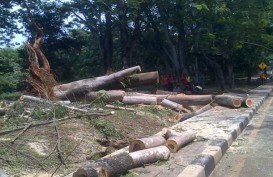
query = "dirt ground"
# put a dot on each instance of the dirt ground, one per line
(58, 149)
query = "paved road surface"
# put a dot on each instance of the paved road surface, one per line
(251, 155)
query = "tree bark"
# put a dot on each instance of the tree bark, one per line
(139, 100)
(174, 143)
(145, 143)
(187, 100)
(81, 87)
(228, 101)
(118, 164)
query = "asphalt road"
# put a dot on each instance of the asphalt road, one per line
(251, 155)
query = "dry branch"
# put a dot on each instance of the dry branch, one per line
(119, 107)
(145, 143)
(182, 117)
(3, 132)
(23, 131)
(41, 100)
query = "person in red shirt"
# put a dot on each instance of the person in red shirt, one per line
(185, 79)
(168, 82)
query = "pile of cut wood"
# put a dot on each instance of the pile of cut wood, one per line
(141, 151)
(115, 84)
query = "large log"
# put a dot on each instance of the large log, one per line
(111, 95)
(174, 143)
(183, 117)
(228, 101)
(187, 100)
(145, 143)
(116, 165)
(139, 100)
(172, 105)
(143, 79)
(81, 87)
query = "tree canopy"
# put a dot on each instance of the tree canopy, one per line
(86, 38)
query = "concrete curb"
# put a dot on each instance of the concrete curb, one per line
(204, 164)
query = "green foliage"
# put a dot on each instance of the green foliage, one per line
(106, 128)
(10, 70)
(101, 98)
(200, 6)
(16, 114)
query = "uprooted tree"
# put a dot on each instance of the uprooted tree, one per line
(44, 84)
(40, 76)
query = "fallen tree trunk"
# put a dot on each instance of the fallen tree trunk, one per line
(111, 95)
(139, 100)
(81, 87)
(174, 143)
(116, 165)
(228, 101)
(145, 143)
(182, 117)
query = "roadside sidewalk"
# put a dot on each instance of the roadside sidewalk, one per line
(216, 130)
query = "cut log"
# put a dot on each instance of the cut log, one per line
(81, 87)
(174, 143)
(139, 100)
(116, 165)
(112, 95)
(183, 117)
(171, 104)
(228, 101)
(246, 101)
(145, 143)
(187, 100)
(143, 79)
